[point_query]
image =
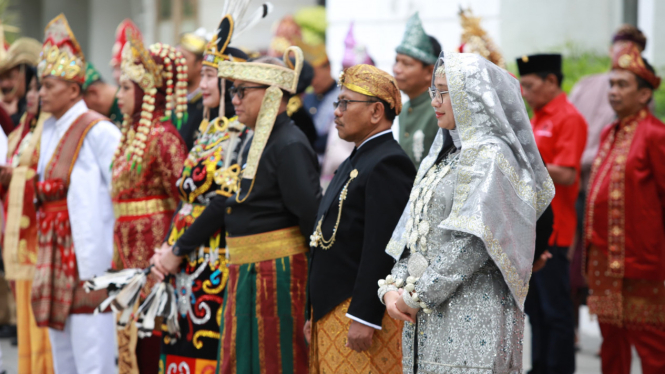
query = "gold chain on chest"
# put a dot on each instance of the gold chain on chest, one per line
(317, 239)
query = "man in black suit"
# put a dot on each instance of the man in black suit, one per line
(354, 223)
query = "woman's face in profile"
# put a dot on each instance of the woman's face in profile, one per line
(441, 103)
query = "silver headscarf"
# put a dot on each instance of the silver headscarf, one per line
(502, 184)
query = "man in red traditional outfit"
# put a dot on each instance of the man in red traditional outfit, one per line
(625, 222)
(75, 238)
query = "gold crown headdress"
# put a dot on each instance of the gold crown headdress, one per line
(152, 69)
(476, 40)
(61, 54)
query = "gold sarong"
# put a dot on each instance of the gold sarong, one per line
(329, 354)
(34, 348)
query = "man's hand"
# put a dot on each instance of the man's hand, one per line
(540, 263)
(307, 330)
(390, 299)
(6, 175)
(360, 337)
(405, 309)
(157, 262)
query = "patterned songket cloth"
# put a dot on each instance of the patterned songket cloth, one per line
(329, 353)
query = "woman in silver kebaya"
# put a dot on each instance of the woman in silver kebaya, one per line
(465, 242)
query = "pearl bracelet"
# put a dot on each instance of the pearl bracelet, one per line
(411, 298)
(391, 281)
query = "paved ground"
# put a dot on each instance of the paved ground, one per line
(587, 362)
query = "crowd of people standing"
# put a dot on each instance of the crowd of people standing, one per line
(301, 232)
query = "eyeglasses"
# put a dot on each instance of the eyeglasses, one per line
(436, 94)
(343, 103)
(240, 91)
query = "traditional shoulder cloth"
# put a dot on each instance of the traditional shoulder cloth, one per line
(278, 78)
(502, 184)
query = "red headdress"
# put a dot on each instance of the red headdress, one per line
(629, 58)
(121, 39)
(161, 69)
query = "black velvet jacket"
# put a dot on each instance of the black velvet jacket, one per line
(375, 200)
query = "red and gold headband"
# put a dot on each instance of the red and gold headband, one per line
(629, 58)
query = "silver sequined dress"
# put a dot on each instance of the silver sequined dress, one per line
(477, 327)
(464, 245)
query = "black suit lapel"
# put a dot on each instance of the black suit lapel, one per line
(335, 187)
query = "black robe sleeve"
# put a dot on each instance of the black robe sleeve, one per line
(298, 181)
(210, 221)
(386, 195)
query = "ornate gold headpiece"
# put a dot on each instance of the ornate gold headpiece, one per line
(476, 40)
(152, 69)
(282, 77)
(61, 54)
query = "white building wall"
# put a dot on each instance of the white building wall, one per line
(518, 26)
(380, 24)
(532, 26)
(105, 17)
(651, 20)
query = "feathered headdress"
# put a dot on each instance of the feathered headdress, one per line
(232, 25)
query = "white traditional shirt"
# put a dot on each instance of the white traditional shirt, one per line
(88, 198)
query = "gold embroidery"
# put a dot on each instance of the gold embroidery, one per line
(265, 246)
(143, 207)
(612, 160)
(227, 179)
(264, 125)
(205, 334)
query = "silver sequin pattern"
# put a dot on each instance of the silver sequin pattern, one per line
(476, 326)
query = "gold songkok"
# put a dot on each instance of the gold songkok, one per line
(372, 81)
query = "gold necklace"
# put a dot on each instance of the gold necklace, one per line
(317, 239)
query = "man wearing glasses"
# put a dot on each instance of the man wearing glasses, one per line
(353, 226)
(267, 222)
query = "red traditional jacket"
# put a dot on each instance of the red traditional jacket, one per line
(20, 236)
(144, 202)
(626, 200)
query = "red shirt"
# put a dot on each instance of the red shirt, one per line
(560, 132)
(644, 199)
